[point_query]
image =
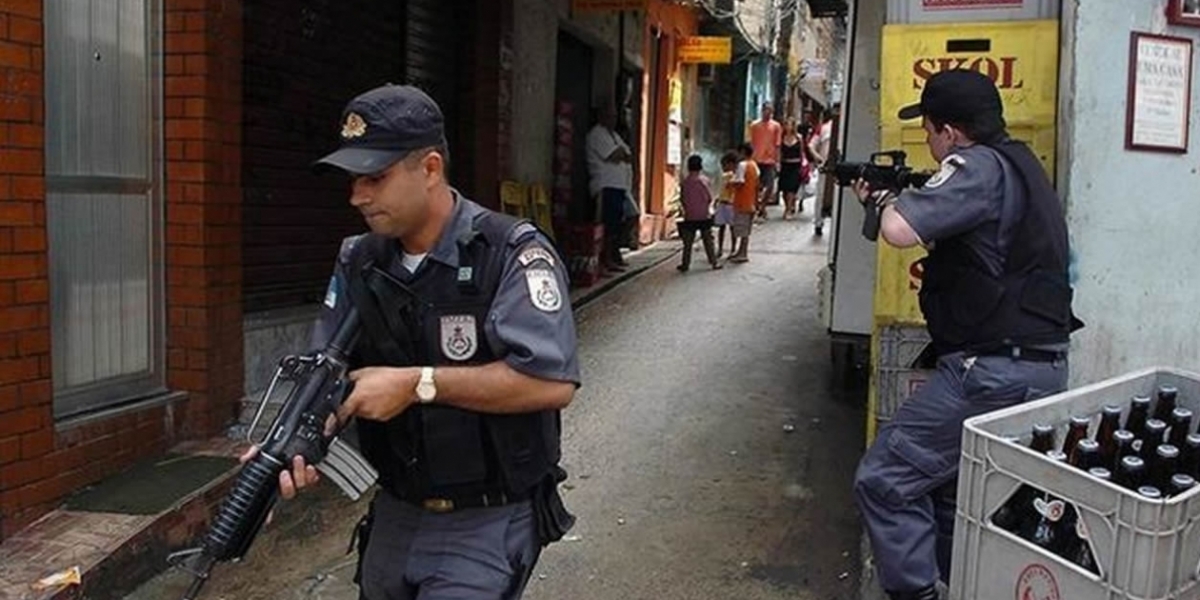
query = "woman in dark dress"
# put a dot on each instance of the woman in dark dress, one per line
(791, 159)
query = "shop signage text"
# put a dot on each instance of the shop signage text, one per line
(706, 49)
(1001, 70)
(951, 4)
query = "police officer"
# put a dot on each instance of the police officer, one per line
(466, 356)
(997, 302)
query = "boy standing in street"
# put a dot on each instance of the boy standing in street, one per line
(723, 214)
(697, 202)
(745, 203)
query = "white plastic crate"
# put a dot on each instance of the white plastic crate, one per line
(1145, 549)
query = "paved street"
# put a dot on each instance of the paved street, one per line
(709, 456)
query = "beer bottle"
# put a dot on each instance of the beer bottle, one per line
(1181, 427)
(1181, 483)
(1154, 436)
(1100, 473)
(1189, 455)
(1122, 447)
(1077, 430)
(1167, 395)
(1139, 411)
(1110, 422)
(1149, 492)
(1132, 473)
(1086, 455)
(1044, 525)
(1080, 550)
(1163, 466)
(1043, 438)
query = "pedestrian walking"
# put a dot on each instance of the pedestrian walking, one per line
(997, 301)
(792, 161)
(765, 136)
(697, 214)
(745, 203)
(466, 357)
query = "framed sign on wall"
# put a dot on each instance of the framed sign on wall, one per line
(1160, 98)
(1183, 12)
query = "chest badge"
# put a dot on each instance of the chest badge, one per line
(459, 337)
(543, 290)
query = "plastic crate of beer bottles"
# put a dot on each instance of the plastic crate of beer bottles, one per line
(1132, 546)
(898, 372)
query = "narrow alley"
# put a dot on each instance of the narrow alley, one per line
(709, 456)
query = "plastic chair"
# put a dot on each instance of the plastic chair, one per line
(539, 204)
(514, 199)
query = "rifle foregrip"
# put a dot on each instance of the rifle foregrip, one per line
(244, 510)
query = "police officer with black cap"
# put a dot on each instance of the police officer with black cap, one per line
(466, 357)
(997, 301)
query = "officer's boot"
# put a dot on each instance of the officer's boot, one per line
(928, 593)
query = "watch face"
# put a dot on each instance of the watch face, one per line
(426, 391)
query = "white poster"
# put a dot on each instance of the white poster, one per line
(1160, 94)
(674, 144)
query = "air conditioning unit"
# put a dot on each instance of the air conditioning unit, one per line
(706, 74)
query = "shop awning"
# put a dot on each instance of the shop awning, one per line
(828, 8)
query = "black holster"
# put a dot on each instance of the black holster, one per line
(359, 539)
(551, 516)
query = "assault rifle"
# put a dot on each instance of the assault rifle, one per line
(317, 385)
(884, 171)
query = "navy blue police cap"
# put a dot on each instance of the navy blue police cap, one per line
(382, 126)
(957, 96)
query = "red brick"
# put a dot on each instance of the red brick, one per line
(195, 64)
(25, 136)
(29, 239)
(197, 360)
(186, 43)
(195, 151)
(36, 393)
(17, 56)
(37, 443)
(28, 188)
(24, 8)
(185, 87)
(23, 161)
(21, 266)
(8, 345)
(32, 291)
(185, 129)
(33, 342)
(16, 213)
(27, 84)
(15, 108)
(10, 449)
(20, 369)
(189, 214)
(20, 318)
(9, 398)
(194, 21)
(174, 22)
(22, 420)
(46, 490)
(6, 242)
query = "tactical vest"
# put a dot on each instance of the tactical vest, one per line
(436, 319)
(1029, 303)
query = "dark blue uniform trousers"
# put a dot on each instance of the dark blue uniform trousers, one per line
(907, 481)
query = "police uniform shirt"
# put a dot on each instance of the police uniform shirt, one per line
(530, 322)
(977, 194)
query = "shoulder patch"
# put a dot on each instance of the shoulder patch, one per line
(533, 253)
(543, 290)
(522, 233)
(950, 166)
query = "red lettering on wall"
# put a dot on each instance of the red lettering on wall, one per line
(1001, 70)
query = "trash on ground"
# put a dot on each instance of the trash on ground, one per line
(70, 576)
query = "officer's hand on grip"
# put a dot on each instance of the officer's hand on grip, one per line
(301, 475)
(380, 393)
(862, 189)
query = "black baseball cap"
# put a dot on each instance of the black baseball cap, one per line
(383, 126)
(957, 96)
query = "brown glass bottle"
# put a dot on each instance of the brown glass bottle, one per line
(1110, 422)
(1149, 492)
(1086, 455)
(1167, 397)
(1043, 522)
(1154, 436)
(1189, 455)
(1181, 483)
(1011, 514)
(1139, 411)
(1181, 427)
(1163, 466)
(1122, 447)
(1042, 440)
(1077, 430)
(1101, 473)
(1131, 473)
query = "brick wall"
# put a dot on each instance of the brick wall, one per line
(203, 113)
(25, 394)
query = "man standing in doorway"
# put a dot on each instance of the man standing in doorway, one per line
(610, 172)
(821, 148)
(766, 134)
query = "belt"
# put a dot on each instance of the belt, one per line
(462, 501)
(1026, 354)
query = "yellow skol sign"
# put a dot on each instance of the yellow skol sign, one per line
(705, 49)
(607, 5)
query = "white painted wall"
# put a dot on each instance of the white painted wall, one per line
(1133, 216)
(535, 42)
